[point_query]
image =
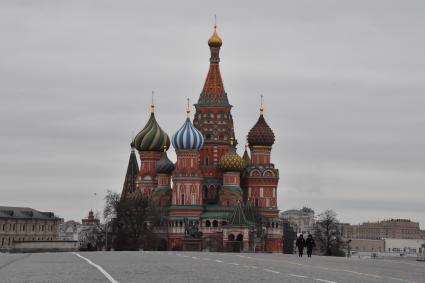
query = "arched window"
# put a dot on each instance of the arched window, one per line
(206, 160)
(223, 223)
(256, 202)
(215, 223)
(182, 199)
(207, 223)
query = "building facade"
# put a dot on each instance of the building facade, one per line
(302, 220)
(227, 197)
(86, 233)
(18, 224)
(392, 228)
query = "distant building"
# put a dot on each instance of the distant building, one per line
(19, 224)
(68, 231)
(392, 228)
(302, 221)
(90, 220)
(84, 233)
(366, 245)
(423, 234)
(404, 246)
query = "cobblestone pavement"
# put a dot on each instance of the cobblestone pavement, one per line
(202, 267)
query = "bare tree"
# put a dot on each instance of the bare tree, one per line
(131, 219)
(328, 234)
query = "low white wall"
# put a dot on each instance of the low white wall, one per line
(44, 246)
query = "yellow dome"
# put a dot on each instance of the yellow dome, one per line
(231, 161)
(215, 40)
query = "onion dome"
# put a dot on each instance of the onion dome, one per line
(231, 161)
(215, 40)
(188, 137)
(151, 137)
(164, 165)
(261, 134)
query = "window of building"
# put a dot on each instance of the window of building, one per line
(215, 223)
(182, 199)
(207, 223)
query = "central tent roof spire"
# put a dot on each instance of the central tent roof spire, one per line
(213, 92)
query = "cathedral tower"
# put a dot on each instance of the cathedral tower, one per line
(150, 142)
(214, 120)
(187, 176)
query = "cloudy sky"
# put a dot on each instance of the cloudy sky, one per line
(343, 83)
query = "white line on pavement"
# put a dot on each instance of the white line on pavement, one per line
(296, 275)
(109, 277)
(250, 266)
(323, 280)
(360, 273)
(234, 263)
(272, 271)
(217, 260)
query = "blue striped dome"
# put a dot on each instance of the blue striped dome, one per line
(188, 137)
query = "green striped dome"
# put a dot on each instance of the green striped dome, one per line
(151, 137)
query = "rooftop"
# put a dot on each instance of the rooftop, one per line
(25, 213)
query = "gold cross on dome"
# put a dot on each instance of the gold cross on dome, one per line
(261, 106)
(188, 107)
(152, 104)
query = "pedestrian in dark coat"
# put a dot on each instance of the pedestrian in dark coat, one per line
(300, 243)
(310, 244)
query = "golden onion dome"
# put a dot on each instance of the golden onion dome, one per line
(231, 161)
(215, 40)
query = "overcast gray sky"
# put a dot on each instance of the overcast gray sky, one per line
(343, 83)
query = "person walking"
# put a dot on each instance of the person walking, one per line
(300, 243)
(310, 244)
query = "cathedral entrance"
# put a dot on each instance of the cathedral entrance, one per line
(234, 244)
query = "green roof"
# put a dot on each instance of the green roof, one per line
(216, 214)
(182, 218)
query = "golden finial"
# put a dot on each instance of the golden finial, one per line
(188, 107)
(231, 140)
(152, 104)
(261, 106)
(215, 40)
(164, 148)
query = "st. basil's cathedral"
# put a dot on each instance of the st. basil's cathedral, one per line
(229, 198)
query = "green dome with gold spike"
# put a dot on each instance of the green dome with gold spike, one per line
(151, 137)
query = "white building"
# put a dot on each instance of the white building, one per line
(302, 221)
(68, 231)
(404, 246)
